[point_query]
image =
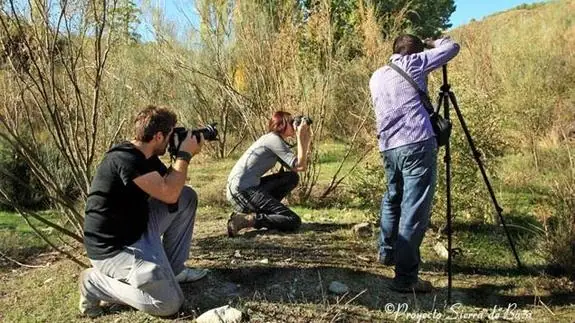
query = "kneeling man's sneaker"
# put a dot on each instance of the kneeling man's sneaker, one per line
(89, 305)
(189, 275)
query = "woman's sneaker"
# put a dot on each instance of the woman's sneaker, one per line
(239, 221)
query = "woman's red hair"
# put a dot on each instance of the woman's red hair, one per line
(279, 122)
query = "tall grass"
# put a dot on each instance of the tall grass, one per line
(517, 78)
(558, 238)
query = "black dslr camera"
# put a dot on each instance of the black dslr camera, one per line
(179, 134)
(297, 120)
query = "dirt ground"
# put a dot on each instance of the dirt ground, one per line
(285, 278)
(275, 277)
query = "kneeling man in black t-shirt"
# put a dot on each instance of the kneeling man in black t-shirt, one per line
(139, 222)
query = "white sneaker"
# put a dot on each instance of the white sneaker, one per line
(189, 275)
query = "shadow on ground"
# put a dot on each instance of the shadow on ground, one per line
(261, 270)
(251, 287)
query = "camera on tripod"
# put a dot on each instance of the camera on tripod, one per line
(297, 120)
(179, 135)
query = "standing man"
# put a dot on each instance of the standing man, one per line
(139, 222)
(409, 150)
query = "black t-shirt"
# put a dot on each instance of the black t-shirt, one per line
(117, 209)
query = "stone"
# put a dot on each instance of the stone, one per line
(363, 230)
(224, 314)
(338, 288)
(441, 251)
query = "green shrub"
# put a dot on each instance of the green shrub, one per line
(368, 183)
(18, 182)
(559, 232)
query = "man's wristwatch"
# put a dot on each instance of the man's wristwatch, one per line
(184, 155)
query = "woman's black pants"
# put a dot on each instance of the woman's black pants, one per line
(265, 201)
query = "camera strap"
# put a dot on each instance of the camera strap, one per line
(422, 94)
(441, 126)
(285, 166)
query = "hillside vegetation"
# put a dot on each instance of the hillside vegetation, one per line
(65, 97)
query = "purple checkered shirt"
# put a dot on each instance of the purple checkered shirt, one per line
(401, 118)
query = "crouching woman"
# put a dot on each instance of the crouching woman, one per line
(257, 198)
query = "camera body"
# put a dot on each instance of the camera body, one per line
(298, 119)
(179, 134)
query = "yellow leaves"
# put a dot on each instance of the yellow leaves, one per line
(240, 79)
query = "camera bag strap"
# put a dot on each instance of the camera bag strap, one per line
(422, 94)
(441, 126)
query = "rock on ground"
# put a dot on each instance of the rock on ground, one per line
(224, 314)
(362, 230)
(338, 288)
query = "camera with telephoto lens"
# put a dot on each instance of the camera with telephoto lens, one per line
(297, 120)
(179, 135)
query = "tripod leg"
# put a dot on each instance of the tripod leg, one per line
(477, 157)
(443, 99)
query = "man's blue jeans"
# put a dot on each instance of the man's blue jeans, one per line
(411, 173)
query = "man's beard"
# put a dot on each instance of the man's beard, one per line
(160, 151)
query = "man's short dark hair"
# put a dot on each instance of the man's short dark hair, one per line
(152, 120)
(406, 44)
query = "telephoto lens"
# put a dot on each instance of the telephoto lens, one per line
(210, 133)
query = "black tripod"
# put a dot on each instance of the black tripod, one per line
(445, 96)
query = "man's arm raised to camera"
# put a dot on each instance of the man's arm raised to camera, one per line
(303, 142)
(440, 52)
(167, 189)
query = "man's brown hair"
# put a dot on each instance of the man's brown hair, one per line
(152, 120)
(407, 44)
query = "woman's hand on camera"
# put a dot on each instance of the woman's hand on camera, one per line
(303, 132)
